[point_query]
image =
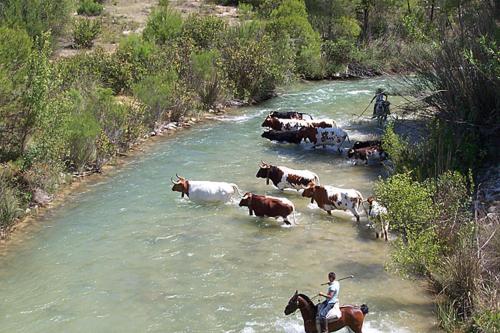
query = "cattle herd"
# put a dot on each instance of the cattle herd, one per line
(295, 127)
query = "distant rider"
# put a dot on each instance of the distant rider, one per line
(332, 301)
(381, 105)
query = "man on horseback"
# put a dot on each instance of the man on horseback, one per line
(381, 107)
(331, 302)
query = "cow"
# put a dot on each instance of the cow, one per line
(288, 137)
(364, 144)
(330, 198)
(290, 115)
(334, 136)
(377, 215)
(283, 177)
(295, 124)
(205, 191)
(262, 206)
(367, 154)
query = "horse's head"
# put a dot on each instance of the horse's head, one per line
(293, 304)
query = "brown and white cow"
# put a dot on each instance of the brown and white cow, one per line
(333, 136)
(367, 154)
(266, 206)
(330, 198)
(377, 215)
(283, 177)
(364, 144)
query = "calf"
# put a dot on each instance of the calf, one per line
(204, 190)
(330, 198)
(334, 136)
(283, 177)
(377, 214)
(367, 154)
(290, 115)
(262, 206)
(288, 137)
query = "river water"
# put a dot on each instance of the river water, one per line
(128, 255)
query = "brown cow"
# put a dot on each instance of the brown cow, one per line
(262, 205)
(367, 154)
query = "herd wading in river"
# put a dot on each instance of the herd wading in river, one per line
(295, 127)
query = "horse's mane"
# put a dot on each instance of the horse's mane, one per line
(308, 300)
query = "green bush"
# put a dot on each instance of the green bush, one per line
(135, 53)
(9, 205)
(290, 18)
(256, 63)
(417, 254)
(36, 16)
(85, 31)
(338, 54)
(409, 203)
(204, 31)
(163, 27)
(89, 8)
(157, 93)
(208, 78)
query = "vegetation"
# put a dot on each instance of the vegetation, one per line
(85, 32)
(89, 8)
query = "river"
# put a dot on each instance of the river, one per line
(128, 255)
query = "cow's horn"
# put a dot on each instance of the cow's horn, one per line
(178, 176)
(172, 181)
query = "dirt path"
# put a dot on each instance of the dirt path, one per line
(123, 17)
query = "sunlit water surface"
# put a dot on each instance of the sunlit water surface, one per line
(129, 255)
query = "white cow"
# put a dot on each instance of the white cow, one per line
(377, 214)
(206, 191)
(330, 198)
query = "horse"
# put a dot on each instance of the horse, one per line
(352, 316)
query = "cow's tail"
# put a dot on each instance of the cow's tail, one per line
(294, 216)
(347, 137)
(237, 190)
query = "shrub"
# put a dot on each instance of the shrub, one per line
(164, 26)
(157, 93)
(9, 205)
(255, 62)
(409, 203)
(136, 52)
(290, 18)
(208, 79)
(35, 16)
(417, 254)
(85, 32)
(89, 8)
(339, 53)
(205, 31)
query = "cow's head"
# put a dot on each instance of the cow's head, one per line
(370, 201)
(267, 135)
(351, 153)
(246, 200)
(309, 192)
(181, 185)
(268, 122)
(264, 170)
(307, 132)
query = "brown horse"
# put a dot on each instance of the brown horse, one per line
(352, 316)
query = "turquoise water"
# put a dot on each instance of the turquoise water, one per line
(128, 255)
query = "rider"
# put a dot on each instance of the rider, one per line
(332, 301)
(379, 101)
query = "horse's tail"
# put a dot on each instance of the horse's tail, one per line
(364, 308)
